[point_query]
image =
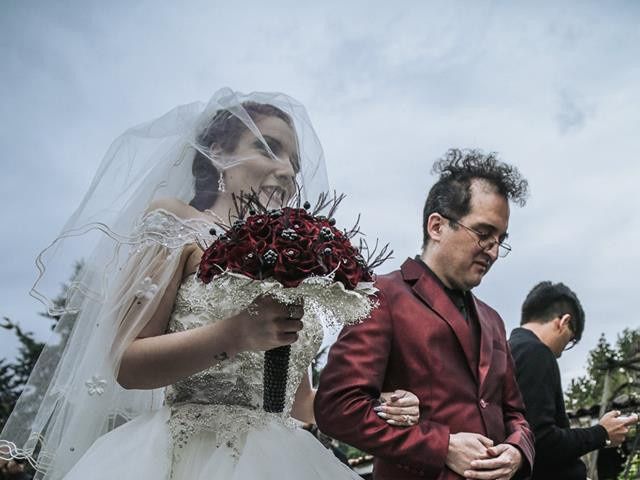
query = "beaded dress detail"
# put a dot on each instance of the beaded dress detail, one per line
(227, 397)
(212, 424)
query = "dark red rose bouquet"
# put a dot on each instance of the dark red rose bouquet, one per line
(300, 249)
(287, 245)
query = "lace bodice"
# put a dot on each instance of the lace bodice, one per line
(227, 397)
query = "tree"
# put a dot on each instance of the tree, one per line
(14, 373)
(612, 380)
(621, 363)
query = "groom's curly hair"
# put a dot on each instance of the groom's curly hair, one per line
(451, 195)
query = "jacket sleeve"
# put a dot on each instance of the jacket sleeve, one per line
(539, 380)
(350, 386)
(519, 433)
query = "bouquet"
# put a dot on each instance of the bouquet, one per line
(301, 250)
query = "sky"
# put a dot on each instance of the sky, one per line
(553, 87)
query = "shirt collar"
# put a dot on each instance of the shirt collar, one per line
(458, 297)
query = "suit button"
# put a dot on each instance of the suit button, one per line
(483, 404)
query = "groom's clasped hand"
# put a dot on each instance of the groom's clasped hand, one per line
(474, 456)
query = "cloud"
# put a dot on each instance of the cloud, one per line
(552, 87)
(571, 115)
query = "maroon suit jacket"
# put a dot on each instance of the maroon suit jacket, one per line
(419, 341)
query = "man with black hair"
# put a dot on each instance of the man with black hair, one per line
(552, 322)
(430, 335)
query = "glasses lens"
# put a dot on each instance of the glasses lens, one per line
(489, 243)
(573, 341)
(486, 243)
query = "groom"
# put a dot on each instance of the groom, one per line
(430, 335)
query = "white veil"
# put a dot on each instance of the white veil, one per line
(129, 254)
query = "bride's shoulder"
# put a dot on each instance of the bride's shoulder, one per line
(173, 206)
(190, 224)
(171, 215)
(175, 209)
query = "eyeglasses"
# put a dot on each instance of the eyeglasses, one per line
(572, 343)
(486, 241)
(574, 340)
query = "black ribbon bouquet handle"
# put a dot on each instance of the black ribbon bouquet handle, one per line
(288, 245)
(276, 366)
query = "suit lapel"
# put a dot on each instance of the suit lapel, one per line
(486, 342)
(430, 292)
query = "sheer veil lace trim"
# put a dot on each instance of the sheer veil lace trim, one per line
(130, 255)
(162, 227)
(142, 266)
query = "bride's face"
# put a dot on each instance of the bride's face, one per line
(270, 174)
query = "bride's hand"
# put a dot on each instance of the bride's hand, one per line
(400, 408)
(267, 323)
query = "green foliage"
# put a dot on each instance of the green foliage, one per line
(14, 373)
(621, 361)
(632, 466)
(349, 451)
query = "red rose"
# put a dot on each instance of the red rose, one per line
(345, 261)
(245, 258)
(299, 220)
(349, 273)
(305, 228)
(239, 233)
(289, 245)
(287, 237)
(294, 265)
(214, 260)
(260, 228)
(299, 213)
(332, 251)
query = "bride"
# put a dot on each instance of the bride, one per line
(146, 378)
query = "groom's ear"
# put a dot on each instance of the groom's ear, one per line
(435, 225)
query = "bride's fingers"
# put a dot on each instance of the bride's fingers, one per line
(398, 416)
(401, 398)
(389, 410)
(403, 403)
(284, 338)
(411, 419)
(401, 420)
(289, 326)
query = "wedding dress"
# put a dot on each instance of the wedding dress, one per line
(212, 425)
(73, 419)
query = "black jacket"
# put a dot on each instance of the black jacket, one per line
(558, 447)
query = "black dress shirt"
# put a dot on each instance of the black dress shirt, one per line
(558, 446)
(459, 298)
(464, 303)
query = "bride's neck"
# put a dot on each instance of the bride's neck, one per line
(221, 209)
